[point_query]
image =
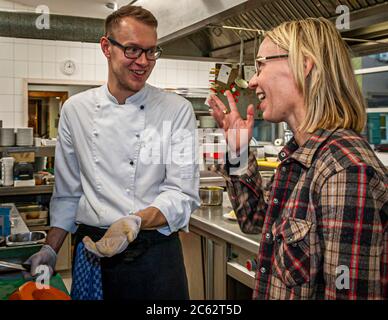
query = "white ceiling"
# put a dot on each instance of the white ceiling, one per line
(80, 8)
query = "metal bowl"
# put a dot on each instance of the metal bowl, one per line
(211, 196)
(27, 238)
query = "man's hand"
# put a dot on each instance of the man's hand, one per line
(46, 256)
(117, 237)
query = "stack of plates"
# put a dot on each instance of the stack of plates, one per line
(24, 137)
(7, 171)
(207, 122)
(7, 137)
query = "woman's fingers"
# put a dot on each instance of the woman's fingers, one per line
(217, 114)
(250, 116)
(250, 120)
(231, 101)
(218, 103)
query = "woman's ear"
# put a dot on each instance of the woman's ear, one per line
(308, 65)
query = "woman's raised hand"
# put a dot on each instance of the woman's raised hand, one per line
(238, 132)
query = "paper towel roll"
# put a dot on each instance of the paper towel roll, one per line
(278, 142)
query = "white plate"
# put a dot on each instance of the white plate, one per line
(229, 217)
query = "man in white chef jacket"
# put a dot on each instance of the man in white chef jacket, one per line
(126, 174)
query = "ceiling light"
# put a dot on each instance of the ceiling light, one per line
(111, 5)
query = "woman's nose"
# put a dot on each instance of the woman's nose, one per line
(253, 82)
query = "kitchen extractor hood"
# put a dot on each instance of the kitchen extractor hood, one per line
(368, 32)
(192, 29)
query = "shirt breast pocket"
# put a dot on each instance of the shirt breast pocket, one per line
(292, 251)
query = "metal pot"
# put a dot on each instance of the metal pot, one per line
(211, 196)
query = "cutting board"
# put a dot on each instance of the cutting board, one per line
(12, 281)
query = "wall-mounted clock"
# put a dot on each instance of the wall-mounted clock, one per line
(68, 67)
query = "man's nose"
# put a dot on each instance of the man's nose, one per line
(142, 59)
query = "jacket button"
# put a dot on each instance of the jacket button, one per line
(263, 270)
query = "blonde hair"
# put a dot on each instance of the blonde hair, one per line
(331, 93)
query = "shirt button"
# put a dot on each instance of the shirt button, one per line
(263, 270)
(141, 107)
(137, 135)
(284, 169)
(131, 162)
(96, 160)
(275, 201)
(98, 106)
(127, 190)
(282, 154)
(95, 133)
(268, 235)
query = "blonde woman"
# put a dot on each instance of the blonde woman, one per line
(324, 226)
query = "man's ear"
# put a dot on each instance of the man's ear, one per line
(104, 43)
(308, 65)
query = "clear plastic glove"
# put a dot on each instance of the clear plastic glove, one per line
(45, 256)
(116, 239)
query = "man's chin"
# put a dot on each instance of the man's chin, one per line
(134, 87)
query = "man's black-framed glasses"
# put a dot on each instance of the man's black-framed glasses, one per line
(260, 60)
(134, 52)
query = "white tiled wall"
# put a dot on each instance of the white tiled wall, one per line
(41, 59)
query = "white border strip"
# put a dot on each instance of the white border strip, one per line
(371, 70)
(377, 110)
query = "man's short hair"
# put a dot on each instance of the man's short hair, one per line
(128, 11)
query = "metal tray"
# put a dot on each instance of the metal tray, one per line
(27, 238)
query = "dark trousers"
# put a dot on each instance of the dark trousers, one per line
(150, 268)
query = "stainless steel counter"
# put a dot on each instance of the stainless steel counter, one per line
(210, 219)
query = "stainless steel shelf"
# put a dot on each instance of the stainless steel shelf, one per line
(12, 191)
(43, 151)
(202, 112)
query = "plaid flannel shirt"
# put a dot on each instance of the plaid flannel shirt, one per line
(323, 223)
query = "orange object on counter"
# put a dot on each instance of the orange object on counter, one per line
(30, 291)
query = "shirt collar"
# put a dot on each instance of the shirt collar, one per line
(136, 98)
(305, 153)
